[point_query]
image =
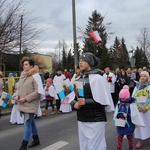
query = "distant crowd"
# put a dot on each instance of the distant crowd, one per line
(117, 81)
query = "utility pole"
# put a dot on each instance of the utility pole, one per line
(20, 47)
(59, 45)
(74, 34)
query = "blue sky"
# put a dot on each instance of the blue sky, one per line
(55, 17)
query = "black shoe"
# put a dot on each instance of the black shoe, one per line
(131, 148)
(59, 112)
(35, 141)
(24, 145)
(36, 117)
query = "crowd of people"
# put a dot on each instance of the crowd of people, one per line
(124, 92)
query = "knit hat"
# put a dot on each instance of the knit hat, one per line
(124, 93)
(49, 80)
(10, 74)
(90, 58)
(145, 73)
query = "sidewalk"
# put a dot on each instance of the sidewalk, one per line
(7, 111)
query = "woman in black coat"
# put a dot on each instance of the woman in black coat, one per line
(123, 79)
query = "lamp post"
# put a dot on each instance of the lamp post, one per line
(74, 34)
(132, 58)
(20, 47)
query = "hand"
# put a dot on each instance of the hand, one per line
(140, 109)
(81, 101)
(125, 115)
(77, 106)
(16, 98)
(21, 101)
(144, 110)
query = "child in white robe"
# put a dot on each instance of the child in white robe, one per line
(15, 117)
(142, 95)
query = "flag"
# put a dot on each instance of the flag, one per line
(78, 88)
(95, 36)
(64, 88)
(4, 100)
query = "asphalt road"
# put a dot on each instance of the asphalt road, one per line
(56, 132)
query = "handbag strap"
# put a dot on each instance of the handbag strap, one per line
(113, 122)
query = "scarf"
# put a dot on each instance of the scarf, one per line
(25, 74)
(142, 85)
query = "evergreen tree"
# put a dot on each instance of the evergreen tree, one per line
(64, 58)
(70, 60)
(119, 54)
(124, 55)
(114, 53)
(78, 53)
(99, 49)
(140, 58)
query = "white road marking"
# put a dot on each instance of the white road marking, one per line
(56, 145)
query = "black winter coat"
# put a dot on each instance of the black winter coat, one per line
(91, 111)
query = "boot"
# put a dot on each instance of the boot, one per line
(131, 148)
(45, 113)
(139, 144)
(35, 142)
(24, 145)
(53, 111)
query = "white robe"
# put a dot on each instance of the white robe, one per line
(143, 132)
(51, 91)
(38, 80)
(92, 134)
(100, 91)
(111, 85)
(15, 117)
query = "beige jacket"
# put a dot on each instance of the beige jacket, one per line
(1, 86)
(28, 88)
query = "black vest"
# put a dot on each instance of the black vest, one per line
(91, 111)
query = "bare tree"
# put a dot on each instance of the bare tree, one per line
(55, 61)
(15, 23)
(144, 41)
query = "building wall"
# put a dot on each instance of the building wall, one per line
(45, 60)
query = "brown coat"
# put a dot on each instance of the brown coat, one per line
(28, 88)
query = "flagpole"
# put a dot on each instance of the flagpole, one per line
(74, 34)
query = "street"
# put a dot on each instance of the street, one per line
(56, 132)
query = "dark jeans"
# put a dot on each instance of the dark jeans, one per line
(58, 104)
(131, 90)
(51, 104)
(114, 99)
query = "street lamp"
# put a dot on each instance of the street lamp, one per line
(74, 34)
(20, 40)
(132, 58)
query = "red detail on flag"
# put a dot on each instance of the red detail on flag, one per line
(95, 36)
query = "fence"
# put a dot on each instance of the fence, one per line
(5, 80)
